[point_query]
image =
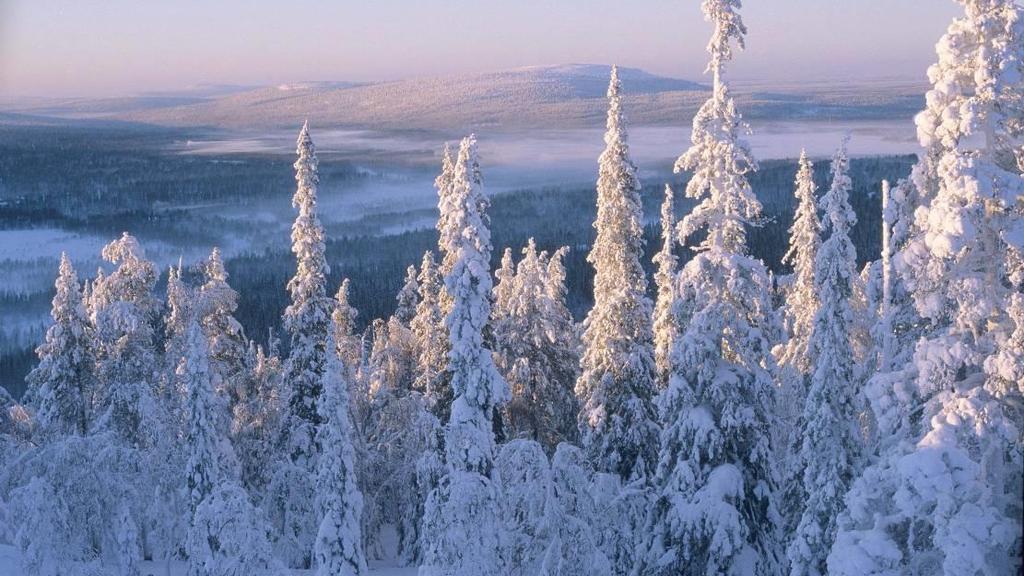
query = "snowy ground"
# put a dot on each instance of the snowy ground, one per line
(9, 566)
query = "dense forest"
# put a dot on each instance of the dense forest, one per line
(63, 195)
(745, 368)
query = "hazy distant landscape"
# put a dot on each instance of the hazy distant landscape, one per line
(549, 97)
(212, 166)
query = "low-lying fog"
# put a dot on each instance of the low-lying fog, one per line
(401, 166)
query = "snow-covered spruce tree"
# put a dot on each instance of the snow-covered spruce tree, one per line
(41, 532)
(889, 392)
(447, 234)
(538, 362)
(899, 322)
(228, 345)
(801, 299)
(793, 356)
(230, 537)
(565, 341)
(210, 476)
(948, 501)
(714, 510)
(343, 320)
(523, 477)
(308, 317)
(408, 298)
(392, 364)
(122, 313)
(339, 540)
(206, 460)
(504, 278)
(62, 382)
(666, 328)
(256, 422)
(178, 304)
(448, 237)
(432, 341)
(616, 385)
(830, 442)
(558, 315)
(570, 519)
(460, 525)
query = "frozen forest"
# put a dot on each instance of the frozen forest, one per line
(718, 416)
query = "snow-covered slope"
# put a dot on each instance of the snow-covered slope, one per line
(552, 97)
(523, 97)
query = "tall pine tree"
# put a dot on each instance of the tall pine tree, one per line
(460, 521)
(536, 353)
(123, 310)
(830, 442)
(948, 501)
(343, 322)
(666, 328)
(218, 302)
(431, 341)
(801, 298)
(308, 317)
(616, 384)
(61, 384)
(204, 470)
(339, 540)
(714, 510)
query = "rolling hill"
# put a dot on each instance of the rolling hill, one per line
(564, 96)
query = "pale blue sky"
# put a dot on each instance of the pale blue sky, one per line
(110, 47)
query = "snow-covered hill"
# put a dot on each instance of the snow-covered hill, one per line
(565, 96)
(532, 96)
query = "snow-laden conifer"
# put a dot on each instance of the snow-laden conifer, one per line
(460, 522)
(616, 383)
(801, 300)
(477, 386)
(122, 313)
(343, 321)
(571, 519)
(535, 352)
(447, 233)
(432, 341)
(714, 508)
(793, 356)
(408, 297)
(178, 310)
(523, 477)
(205, 467)
(339, 540)
(61, 384)
(666, 328)
(504, 280)
(228, 345)
(308, 316)
(948, 500)
(829, 440)
(291, 491)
